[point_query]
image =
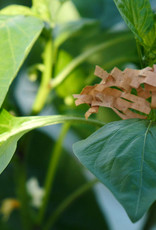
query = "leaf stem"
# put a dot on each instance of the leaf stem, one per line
(44, 88)
(67, 202)
(20, 182)
(40, 121)
(29, 123)
(82, 57)
(139, 53)
(52, 170)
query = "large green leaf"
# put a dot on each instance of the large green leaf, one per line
(122, 155)
(139, 17)
(17, 36)
(12, 128)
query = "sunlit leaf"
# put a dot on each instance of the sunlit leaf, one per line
(41, 8)
(18, 34)
(63, 12)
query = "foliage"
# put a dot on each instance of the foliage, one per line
(121, 154)
(139, 17)
(67, 48)
(12, 33)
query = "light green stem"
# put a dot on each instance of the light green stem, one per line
(52, 171)
(82, 57)
(44, 88)
(67, 202)
(33, 122)
(26, 124)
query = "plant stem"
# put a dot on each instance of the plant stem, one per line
(82, 57)
(44, 88)
(67, 202)
(139, 54)
(25, 213)
(40, 121)
(52, 170)
(29, 123)
(20, 181)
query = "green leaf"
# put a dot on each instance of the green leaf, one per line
(17, 36)
(122, 156)
(139, 17)
(41, 9)
(16, 10)
(76, 78)
(63, 11)
(12, 128)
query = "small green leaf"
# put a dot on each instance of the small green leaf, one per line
(77, 76)
(41, 9)
(17, 36)
(122, 155)
(63, 11)
(139, 17)
(12, 128)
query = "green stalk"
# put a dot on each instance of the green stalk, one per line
(139, 53)
(67, 202)
(82, 57)
(29, 123)
(23, 197)
(33, 122)
(52, 171)
(44, 88)
(20, 179)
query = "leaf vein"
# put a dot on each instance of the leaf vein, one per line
(11, 48)
(141, 169)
